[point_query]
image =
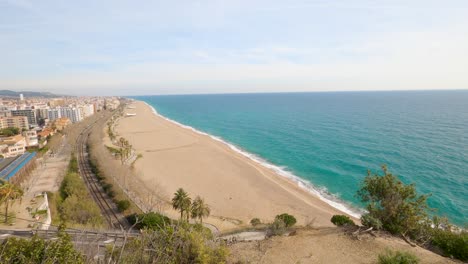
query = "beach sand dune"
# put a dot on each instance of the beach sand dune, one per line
(234, 186)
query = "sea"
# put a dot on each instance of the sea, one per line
(327, 141)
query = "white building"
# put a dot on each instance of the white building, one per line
(12, 146)
(53, 114)
(31, 138)
(86, 110)
(73, 113)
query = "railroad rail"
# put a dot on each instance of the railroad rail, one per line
(107, 206)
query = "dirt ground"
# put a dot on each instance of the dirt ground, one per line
(325, 245)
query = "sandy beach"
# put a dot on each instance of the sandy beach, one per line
(236, 188)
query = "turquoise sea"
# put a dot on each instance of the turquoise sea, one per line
(331, 139)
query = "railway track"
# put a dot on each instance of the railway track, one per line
(107, 206)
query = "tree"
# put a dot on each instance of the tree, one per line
(341, 220)
(287, 219)
(8, 194)
(39, 250)
(182, 202)
(397, 206)
(9, 131)
(200, 209)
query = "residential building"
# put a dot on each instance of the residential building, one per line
(72, 113)
(12, 146)
(20, 122)
(31, 114)
(31, 138)
(62, 123)
(45, 133)
(53, 114)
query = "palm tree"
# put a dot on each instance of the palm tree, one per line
(200, 209)
(8, 194)
(181, 202)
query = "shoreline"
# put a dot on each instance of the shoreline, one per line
(239, 187)
(301, 183)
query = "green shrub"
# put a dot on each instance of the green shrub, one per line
(398, 207)
(369, 221)
(123, 205)
(107, 187)
(397, 257)
(341, 220)
(277, 228)
(287, 219)
(452, 244)
(149, 220)
(255, 222)
(38, 250)
(173, 243)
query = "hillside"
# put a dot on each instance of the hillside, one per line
(9, 93)
(324, 245)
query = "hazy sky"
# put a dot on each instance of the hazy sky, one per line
(167, 47)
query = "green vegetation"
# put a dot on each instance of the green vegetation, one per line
(123, 205)
(200, 209)
(9, 193)
(342, 220)
(9, 131)
(173, 243)
(281, 225)
(182, 202)
(75, 205)
(287, 219)
(122, 201)
(38, 250)
(255, 222)
(151, 220)
(452, 243)
(397, 257)
(397, 208)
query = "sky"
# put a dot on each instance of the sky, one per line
(115, 47)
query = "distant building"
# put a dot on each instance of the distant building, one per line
(21, 97)
(5, 113)
(20, 122)
(53, 114)
(62, 123)
(12, 146)
(31, 138)
(72, 113)
(31, 114)
(45, 133)
(86, 110)
(57, 102)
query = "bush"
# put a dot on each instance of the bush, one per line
(397, 206)
(369, 221)
(255, 222)
(341, 220)
(452, 244)
(38, 250)
(397, 257)
(107, 187)
(173, 243)
(287, 219)
(151, 220)
(123, 205)
(277, 228)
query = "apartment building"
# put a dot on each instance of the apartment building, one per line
(29, 113)
(12, 146)
(20, 122)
